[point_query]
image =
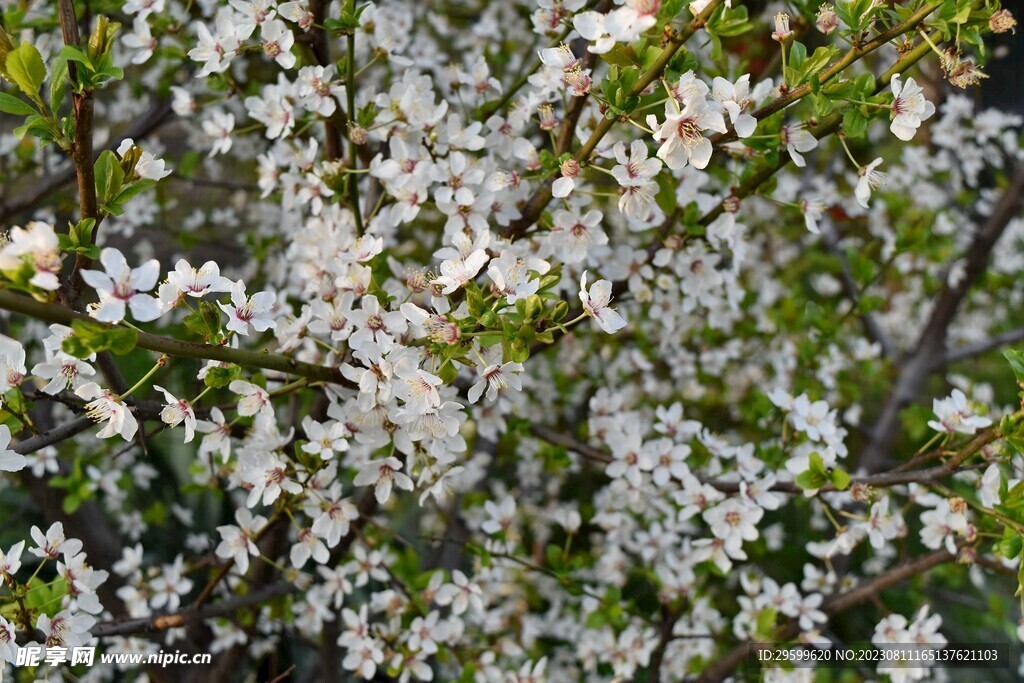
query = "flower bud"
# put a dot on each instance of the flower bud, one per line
(534, 307)
(129, 160)
(102, 37)
(6, 45)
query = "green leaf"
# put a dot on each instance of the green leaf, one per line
(1010, 545)
(9, 104)
(1016, 360)
(25, 67)
(620, 55)
(218, 377)
(91, 337)
(37, 127)
(765, 624)
(666, 197)
(58, 86)
(109, 176)
(121, 340)
(840, 479)
(797, 55)
(855, 124)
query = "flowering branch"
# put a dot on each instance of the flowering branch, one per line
(540, 199)
(55, 313)
(722, 667)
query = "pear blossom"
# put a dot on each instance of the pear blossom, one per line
(12, 363)
(255, 399)
(118, 286)
(141, 41)
(500, 516)
(217, 437)
(277, 43)
(955, 415)
(496, 378)
(65, 629)
(868, 179)
(735, 99)
(10, 562)
(238, 543)
(797, 139)
(197, 282)
(218, 127)
(563, 186)
(512, 277)
(8, 642)
(595, 304)
(53, 543)
(10, 461)
(909, 108)
(108, 408)
(37, 246)
(682, 133)
(457, 272)
(247, 312)
(325, 439)
(215, 51)
(177, 411)
(383, 475)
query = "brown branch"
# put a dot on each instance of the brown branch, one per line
(723, 667)
(871, 327)
(81, 147)
(979, 348)
(159, 113)
(55, 313)
(192, 615)
(929, 353)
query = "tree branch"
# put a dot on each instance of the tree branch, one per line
(159, 113)
(871, 327)
(723, 667)
(55, 313)
(929, 353)
(984, 346)
(192, 615)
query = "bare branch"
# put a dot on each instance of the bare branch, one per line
(979, 348)
(723, 667)
(871, 327)
(929, 353)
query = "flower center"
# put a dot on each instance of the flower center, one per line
(688, 131)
